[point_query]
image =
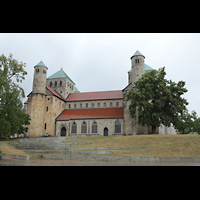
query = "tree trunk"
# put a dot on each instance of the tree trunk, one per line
(153, 129)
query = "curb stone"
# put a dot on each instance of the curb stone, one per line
(20, 157)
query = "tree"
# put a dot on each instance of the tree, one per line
(157, 100)
(12, 118)
(187, 122)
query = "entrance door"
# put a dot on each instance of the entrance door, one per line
(105, 132)
(63, 131)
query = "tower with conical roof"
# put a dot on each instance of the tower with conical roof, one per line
(138, 68)
(37, 98)
(39, 78)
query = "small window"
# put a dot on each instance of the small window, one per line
(98, 105)
(69, 106)
(75, 106)
(111, 104)
(86, 105)
(37, 70)
(104, 105)
(60, 82)
(45, 126)
(47, 108)
(117, 104)
(137, 61)
(44, 72)
(55, 83)
(92, 105)
(50, 84)
(81, 105)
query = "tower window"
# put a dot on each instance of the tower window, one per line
(45, 126)
(55, 83)
(50, 84)
(44, 72)
(60, 82)
(137, 61)
(37, 70)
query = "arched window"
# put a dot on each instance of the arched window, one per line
(117, 126)
(117, 104)
(98, 105)
(111, 104)
(84, 127)
(104, 105)
(63, 131)
(74, 127)
(92, 105)
(94, 127)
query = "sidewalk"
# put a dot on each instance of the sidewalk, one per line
(17, 162)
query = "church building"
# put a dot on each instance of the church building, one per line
(58, 108)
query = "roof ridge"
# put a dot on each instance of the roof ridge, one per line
(99, 91)
(54, 92)
(60, 74)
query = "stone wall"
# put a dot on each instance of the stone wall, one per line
(101, 124)
(95, 102)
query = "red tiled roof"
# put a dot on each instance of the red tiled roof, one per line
(97, 113)
(115, 94)
(54, 93)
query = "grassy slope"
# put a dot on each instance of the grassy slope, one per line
(155, 145)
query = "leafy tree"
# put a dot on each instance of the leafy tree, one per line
(156, 100)
(187, 122)
(196, 127)
(12, 118)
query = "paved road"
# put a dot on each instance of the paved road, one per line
(16, 162)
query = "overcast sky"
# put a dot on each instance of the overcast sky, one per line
(100, 61)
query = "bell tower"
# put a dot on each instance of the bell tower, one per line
(37, 101)
(137, 66)
(39, 79)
